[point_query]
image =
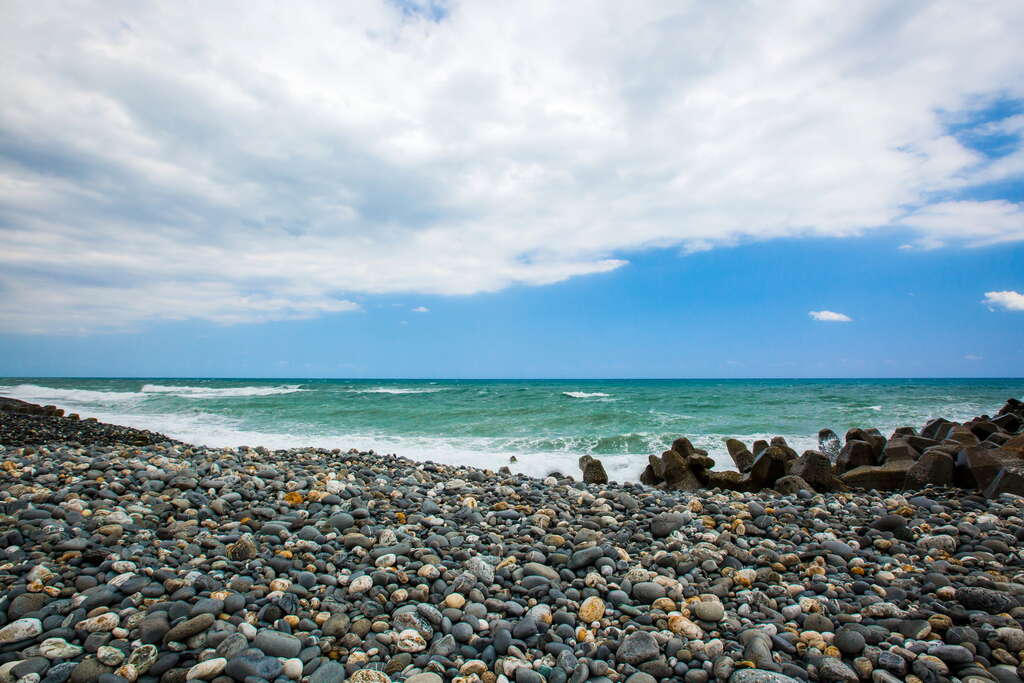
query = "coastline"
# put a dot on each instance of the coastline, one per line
(170, 562)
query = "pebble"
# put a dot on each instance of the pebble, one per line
(20, 629)
(158, 560)
(712, 611)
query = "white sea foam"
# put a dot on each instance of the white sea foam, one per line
(222, 392)
(584, 394)
(39, 394)
(395, 390)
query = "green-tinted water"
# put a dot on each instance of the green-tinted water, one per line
(546, 424)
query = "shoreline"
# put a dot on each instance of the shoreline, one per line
(171, 562)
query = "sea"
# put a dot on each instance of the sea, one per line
(532, 426)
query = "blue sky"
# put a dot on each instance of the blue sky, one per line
(679, 190)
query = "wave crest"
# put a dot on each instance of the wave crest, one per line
(394, 390)
(585, 394)
(35, 393)
(224, 392)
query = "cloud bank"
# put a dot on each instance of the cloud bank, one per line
(830, 317)
(238, 162)
(1007, 301)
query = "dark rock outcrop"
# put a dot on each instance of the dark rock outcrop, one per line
(593, 470)
(740, 454)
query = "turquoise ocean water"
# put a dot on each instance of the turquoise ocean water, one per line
(546, 424)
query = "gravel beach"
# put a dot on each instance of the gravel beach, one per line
(131, 557)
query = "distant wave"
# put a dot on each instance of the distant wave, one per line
(225, 392)
(35, 393)
(394, 390)
(584, 394)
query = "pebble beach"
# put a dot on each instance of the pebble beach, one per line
(131, 557)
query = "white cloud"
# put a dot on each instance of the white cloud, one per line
(161, 159)
(1008, 300)
(830, 317)
(971, 356)
(421, 309)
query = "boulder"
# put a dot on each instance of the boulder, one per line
(935, 467)
(1008, 480)
(678, 474)
(891, 476)
(1012, 406)
(936, 429)
(758, 446)
(815, 468)
(1008, 422)
(1015, 444)
(732, 481)
(983, 429)
(790, 484)
(740, 455)
(858, 434)
(963, 435)
(975, 468)
(780, 442)
(920, 443)
(648, 477)
(898, 449)
(654, 473)
(683, 447)
(855, 453)
(593, 470)
(769, 466)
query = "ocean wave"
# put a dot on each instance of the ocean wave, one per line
(224, 392)
(585, 394)
(394, 390)
(34, 393)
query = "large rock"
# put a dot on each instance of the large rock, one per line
(768, 467)
(683, 447)
(1015, 444)
(654, 473)
(919, 443)
(593, 470)
(891, 476)
(678, 474)
(856, 453)
(934, 468)
(1008, 422)
(729, 479)
(870, 436)
(815, 468)
(975, 468)
(936, 429)
(741, 456)
(791, 484)
(962, 435)
(780, 442)
(1007, 481)
(1012, 406)
(898, 449)
(983, 429)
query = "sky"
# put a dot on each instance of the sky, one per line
(428, 189)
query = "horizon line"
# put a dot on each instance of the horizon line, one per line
(506, 379)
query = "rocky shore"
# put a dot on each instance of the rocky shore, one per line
(985, 454)
(153, 560)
